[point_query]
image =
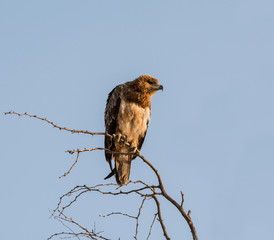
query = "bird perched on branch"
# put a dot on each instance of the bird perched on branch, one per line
(127, 116)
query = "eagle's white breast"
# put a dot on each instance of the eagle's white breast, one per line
(133, 121)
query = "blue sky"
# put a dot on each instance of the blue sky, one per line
(212, 128)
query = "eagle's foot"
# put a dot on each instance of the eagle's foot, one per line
(132, 148)
(120, 139)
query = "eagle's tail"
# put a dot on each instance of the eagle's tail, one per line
(110, 175)
(111, 169)
(122, 168)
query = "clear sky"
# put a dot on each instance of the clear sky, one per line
(212, 128)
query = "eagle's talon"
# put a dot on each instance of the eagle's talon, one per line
(120, 139)
(117, 137)
(123, 139)
(132, 148)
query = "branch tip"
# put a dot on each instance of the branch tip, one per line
(188, 214)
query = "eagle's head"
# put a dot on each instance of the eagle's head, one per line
(141, 89)
(147, 84)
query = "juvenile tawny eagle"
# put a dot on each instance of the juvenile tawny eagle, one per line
(127, 116)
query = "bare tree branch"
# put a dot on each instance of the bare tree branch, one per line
(183, 198)
(86, 233)
(137, 218)
(160, 217)
(130, 216)
(117, 213)
(66, 173)
(71, 233)
(171, 200)
(141, 188)
(53, 124)
(151, 226)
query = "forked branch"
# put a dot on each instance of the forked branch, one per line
(144, 190)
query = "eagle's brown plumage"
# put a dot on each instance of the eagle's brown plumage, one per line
(127, 114)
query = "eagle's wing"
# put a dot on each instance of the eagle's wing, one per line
(141, 141)
(111, 114)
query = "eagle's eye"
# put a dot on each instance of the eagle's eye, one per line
(150, 82)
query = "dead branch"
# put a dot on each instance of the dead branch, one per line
(53, 124)
(171, 200)
(160, 186)
(142, 189)
(160, 217)
(78, 191)
(86, 233)
(151, 226)
(118, 213)
(138, 215)
(130, 216)
(66, 173)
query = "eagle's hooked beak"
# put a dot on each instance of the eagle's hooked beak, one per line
(157, 87)
(161, 87)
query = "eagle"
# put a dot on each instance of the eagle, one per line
(127, 115)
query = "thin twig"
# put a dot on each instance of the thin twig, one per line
(77, 235)
(160, 217)
(66, 173)
(80, 190)
(118, 213)
(138, 215)
(92, 234)
(71, 231)
(100, 148)
(151, 226)
(53, 124)
(183, 198)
